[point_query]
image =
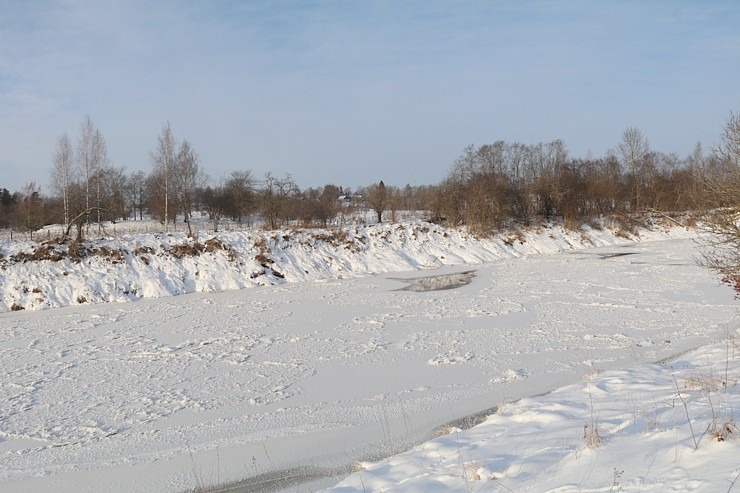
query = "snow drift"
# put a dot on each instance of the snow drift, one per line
(39, 275)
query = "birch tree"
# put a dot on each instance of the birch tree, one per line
(633, 149)
(62, 173)
(99, 162)
(92, 157)
(85, 160)
(187, 179)
(163, 160)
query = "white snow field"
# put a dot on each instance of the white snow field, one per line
(313, 377)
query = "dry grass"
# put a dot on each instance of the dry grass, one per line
(261, 245)
(45, 251)
(573, 223)
(708, 383)
(591, 438)
(187, 250)
(114, 256)
(622, 226)
(77, 251)
(263, 260)
(512, 236)
(55, 251)
(689, 221)
(722, 429)
(444, 431)
(586, 239)
(142, 253)
(214, 244)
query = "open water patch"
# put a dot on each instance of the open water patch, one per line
(439, 282)
(605, 256)
(614, 255)
(286, 480)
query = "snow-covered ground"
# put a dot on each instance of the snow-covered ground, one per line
(117, 268)
(315, 376)
(670, 426)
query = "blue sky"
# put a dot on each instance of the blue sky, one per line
(352, 92)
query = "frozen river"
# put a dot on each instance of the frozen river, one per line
(176, 393)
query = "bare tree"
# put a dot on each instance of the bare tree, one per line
(633, 148)
(722, 251)
(99, 162)
(85, 159)
(327, 204)
(137, 192)
(275, 199)
(78, 212)
(164, 159)
(62, 173)
(377, 198)
(395, 202)
(240, 188)
(92, 156)
(215, 200)
(114, 188)
(187, 179)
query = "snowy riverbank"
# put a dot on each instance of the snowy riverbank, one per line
(180, 393)
(39, 275)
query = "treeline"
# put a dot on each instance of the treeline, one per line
(487, 187)
(495, 183)
(88, 190)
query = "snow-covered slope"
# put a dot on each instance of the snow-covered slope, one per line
(296, 381)
(45, 275)
(671, 426)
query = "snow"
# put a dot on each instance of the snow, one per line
(331, 363)
(645, 440)
(151, 265)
